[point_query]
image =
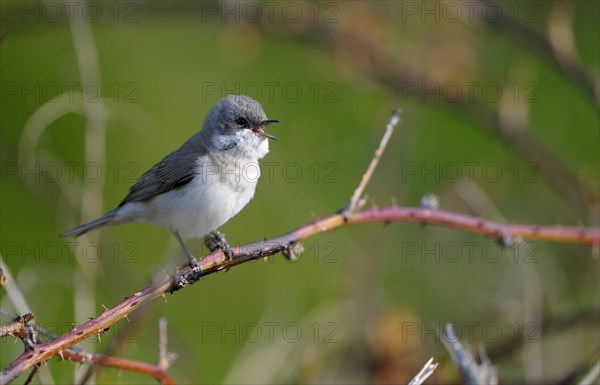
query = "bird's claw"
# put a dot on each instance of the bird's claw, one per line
(216, 240)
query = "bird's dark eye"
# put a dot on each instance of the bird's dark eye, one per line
(242, 122)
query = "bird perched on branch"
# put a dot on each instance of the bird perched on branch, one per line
(200, 186)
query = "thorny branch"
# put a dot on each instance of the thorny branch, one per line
(18, 328)
(29, 334)
(217, 261)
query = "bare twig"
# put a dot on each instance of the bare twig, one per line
(354, 202)
(12, 291)
(18, 327)
(473, 373)
(425, 372)
(19, 302)
(120, 363)
(164, 357)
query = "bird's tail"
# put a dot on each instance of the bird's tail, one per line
(91, 225)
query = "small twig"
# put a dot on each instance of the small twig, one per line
(19, 302)
(164, 357)
(473, 373)
(163, 360)
(12, 291)
(119, 363)
(425, 372)
(354, 202)
(18, 327)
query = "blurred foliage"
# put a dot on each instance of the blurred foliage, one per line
(369, 300)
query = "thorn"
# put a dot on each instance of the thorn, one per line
(105, 309)
(120, 372)
(98, 335)
(394, 201)
(164, 297)
(373, 204)
(61, 354)
(126, 316)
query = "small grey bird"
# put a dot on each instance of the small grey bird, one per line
(200, 186)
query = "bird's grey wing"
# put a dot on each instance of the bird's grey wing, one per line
(175, 170)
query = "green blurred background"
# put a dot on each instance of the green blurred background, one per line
(362, 304)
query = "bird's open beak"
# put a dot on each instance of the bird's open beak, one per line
(259, 129)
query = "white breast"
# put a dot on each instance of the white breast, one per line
(214, 196)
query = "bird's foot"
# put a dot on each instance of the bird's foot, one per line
(216, 240)
(193, 263)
